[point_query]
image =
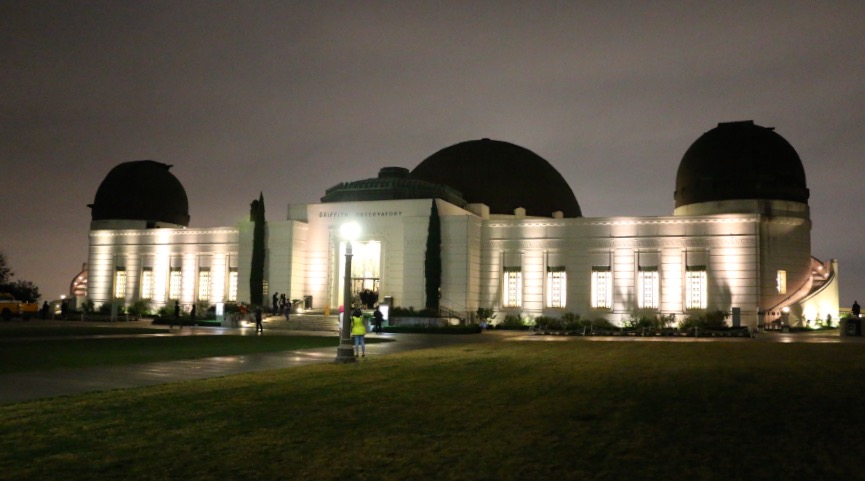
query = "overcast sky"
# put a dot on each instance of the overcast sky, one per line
(290, 98)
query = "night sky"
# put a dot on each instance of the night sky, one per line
(290, 98)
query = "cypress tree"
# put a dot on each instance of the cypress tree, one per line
(433, 259)
(256, 273)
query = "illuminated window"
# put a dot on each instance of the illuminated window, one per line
(781, 282)
(695, 287)
(147, 283)
(232, 285)
(557, 286)
(602, 287)
(265, 288)
(174, 278)
(120, 283)
(513, 288)
(647, 285)
(204, 285)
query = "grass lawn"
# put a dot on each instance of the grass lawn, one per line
(558, 410)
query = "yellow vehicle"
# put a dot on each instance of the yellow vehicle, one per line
(10, 307)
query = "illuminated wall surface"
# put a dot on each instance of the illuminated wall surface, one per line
(596, 267)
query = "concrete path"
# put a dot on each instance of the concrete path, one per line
(28, 386)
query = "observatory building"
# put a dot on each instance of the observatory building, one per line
(512, 238)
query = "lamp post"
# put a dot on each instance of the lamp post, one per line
(345, 352)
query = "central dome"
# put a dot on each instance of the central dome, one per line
(501, 175)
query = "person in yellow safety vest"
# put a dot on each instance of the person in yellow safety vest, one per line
(358, 331)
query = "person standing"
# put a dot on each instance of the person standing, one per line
(258, 326)
(192, 315)
(176, 315)
(856, 309)
(275, 304)
(358, 331)
(377, 319)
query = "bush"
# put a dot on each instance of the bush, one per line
(88, 307)
(410, 312)
(512, 321)
(484, 314)
(417, 329)
(139, 308)
(707, 320)
(105, 309)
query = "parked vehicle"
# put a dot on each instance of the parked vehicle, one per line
(10, 307)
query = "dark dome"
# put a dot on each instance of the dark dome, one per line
(501, 175)
(740, 160)
(141, 190)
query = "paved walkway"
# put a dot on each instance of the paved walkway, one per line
(28, 386)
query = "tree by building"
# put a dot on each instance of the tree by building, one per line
(433, 259)
(21, 289)
(256, 273)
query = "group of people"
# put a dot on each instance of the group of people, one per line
(281, 305)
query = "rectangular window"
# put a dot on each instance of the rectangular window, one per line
(648, 287)
(174, 278)
(695, 287)
(232, 285)
(602, 287)
(204, 285)
(557, 286)
(513, 287)
(120, 283)
(147, 283)
(781, 282)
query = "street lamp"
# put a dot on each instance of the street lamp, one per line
(345, 352)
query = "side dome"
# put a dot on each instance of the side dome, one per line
(141, 190)
(501, 175)
(740, 160)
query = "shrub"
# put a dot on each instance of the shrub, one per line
(105, 309)
(572, 322)
(512, 321)
(707, 320)
(410, 312)
(138, 308)
(418, 329)
(88, 307)
(484, 314)
(601, 323)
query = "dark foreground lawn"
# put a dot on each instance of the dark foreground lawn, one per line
(54, 352)
(532, 411)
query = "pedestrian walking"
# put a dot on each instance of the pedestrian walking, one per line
(258, 326)
(176, 319)
(377, 319)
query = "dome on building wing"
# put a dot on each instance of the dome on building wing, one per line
(141, 190)
(740, 160)
(501, 175)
